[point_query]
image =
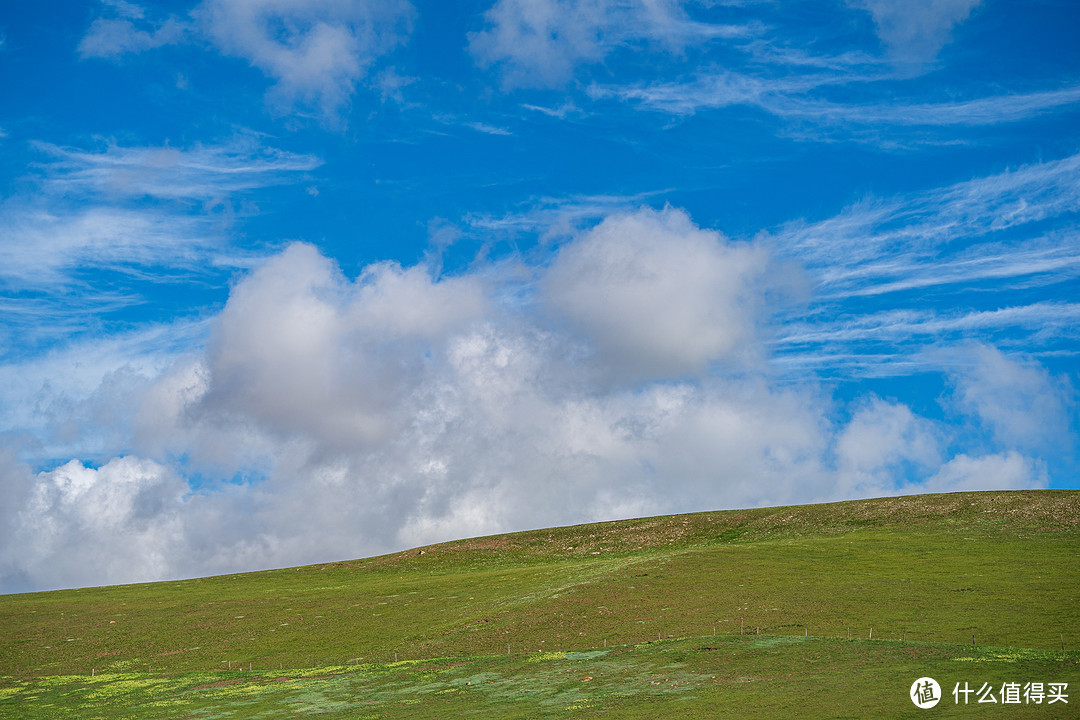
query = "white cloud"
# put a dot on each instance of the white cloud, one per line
(999, 233)
(336, 352)
(488, 129)
(113, 37)
(657, 295)
(480, 127)
(794, 98)
(1002, 471)
(896, 327)
(915, 30)
(881, 444)
(126, 9)
(991, 110)
(397, 408)
(143, 214)
(331, 416)
(77, 399)
(553, 218)
(1024, 406)
(201, 172)
(716, 89)
(86, 526)
(540, 43)
(43, 250)
(315, 50)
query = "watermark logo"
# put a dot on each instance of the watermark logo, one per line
(925, 692)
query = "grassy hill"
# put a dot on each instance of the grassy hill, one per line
(662, 598)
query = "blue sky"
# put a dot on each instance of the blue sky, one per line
(287, 281)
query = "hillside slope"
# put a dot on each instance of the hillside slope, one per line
(999, 566)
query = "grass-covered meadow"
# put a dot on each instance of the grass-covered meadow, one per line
(762, 676)
(650, 611)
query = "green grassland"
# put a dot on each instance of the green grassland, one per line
(650, 610)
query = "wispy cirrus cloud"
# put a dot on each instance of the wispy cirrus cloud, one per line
(100, 227)
(451, 120)
(557, 217)
(1035, 262)
(201, 172)
(813, 91)
(992, 110)
(131, 206)
(540, 43)
(712, 90)
(898, 326)
(976, 247)
(49, 250)
(792, 98)
(924, 222)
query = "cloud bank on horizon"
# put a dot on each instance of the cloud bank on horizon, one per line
(287, 282)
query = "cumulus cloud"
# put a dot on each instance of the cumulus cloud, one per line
(339, 354)
(883, 442)
(1021, 403)
(915, 30)
(657, 295)
(542, 41)
(85, 526)
(314, 50)
(1000, 471)
(332, 416)
(16, 482)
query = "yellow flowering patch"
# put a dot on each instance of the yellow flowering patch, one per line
(544, 657)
